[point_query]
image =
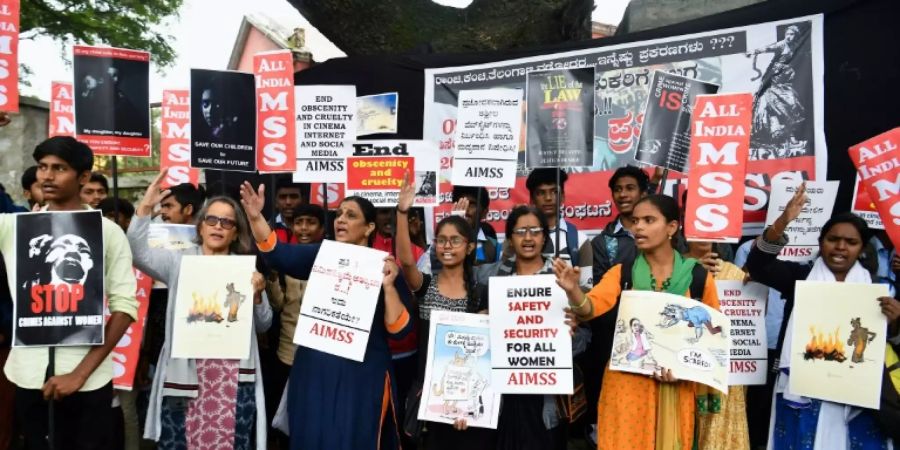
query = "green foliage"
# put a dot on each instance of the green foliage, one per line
(119, 23)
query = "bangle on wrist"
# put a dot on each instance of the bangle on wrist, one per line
(583, 301)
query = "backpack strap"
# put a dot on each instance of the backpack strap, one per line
(625, 277)
(698, 282)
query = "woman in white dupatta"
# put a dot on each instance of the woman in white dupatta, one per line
(798, 422)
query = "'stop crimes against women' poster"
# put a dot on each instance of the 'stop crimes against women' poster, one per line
(58, 292)
(780, 63)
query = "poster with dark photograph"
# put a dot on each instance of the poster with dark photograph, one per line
(112, 100)
(560, 118)
(223, 120)
(665, 137)
(58, 294)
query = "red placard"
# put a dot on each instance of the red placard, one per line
(9, 55)
(112, 102)
(878, 163)
(175, 138)
(720, 145)
(335, 193)
(275, 131)
(62, 116)
(125, 355)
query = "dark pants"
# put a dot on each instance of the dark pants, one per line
(83, 420)
(7, 402)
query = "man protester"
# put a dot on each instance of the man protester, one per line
(288, 196)
(95, 190)
(31, 189)
(81, 385)
(183, 202)
(574, 245)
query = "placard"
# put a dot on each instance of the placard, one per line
(275, 134)
(458, 371)
(530, 341)
(876, 162)
(745, 306)
(665, 136)
(837, 342)
(560, 118)
(223, 120)
(656, 329)
(803, 232)
(720, 146)
(213, 315)
(59, 291)
(9, 55)
(175, 139)
(127, 352)
(340, 300)
(62, 110)
(385, 162)
(487, 138)
(377, 114)
(326, 126)
(864, 207)
(112, 100)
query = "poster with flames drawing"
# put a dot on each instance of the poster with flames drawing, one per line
(656, 329)
(214, 307)
(340, 300)
(837, 342)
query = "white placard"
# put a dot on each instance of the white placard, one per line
(803, 232)
(326, 125)
(488, 129)
(340, 300)
(214, 307)
(458, 371)
(745, 306)
(532, 348)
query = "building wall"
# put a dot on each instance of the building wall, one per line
(17, 141)
(256, 42)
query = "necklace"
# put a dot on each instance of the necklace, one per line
(665, 284)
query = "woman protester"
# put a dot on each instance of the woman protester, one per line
(334, 403)
(637, 411)
(721, 423)
(452, 289)
(530, 422)
(203, 403)
(801, 422)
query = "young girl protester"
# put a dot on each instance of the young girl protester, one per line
(799, 422)
(335, 403)
(452, 289)
(203, 403)
(530, 422)
(638, 411)
(721, 422)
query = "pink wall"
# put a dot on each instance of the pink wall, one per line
(258, 42)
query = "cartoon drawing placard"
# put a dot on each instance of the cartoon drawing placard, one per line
(214, 307)
(656, 329)
(458, 371)
(58, 292)
(340, 300)
(532, 349)
(837, 342)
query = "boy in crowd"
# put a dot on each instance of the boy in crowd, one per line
(95, 190)
(183, 202)
(574, 245)
(31, 189)
(81, 384)
(118, 210)
(288, 196)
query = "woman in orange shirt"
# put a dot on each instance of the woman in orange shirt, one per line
(637, 411)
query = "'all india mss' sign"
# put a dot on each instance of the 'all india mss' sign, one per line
(531, 349)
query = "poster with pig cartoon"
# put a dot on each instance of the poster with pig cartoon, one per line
(457, 381)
